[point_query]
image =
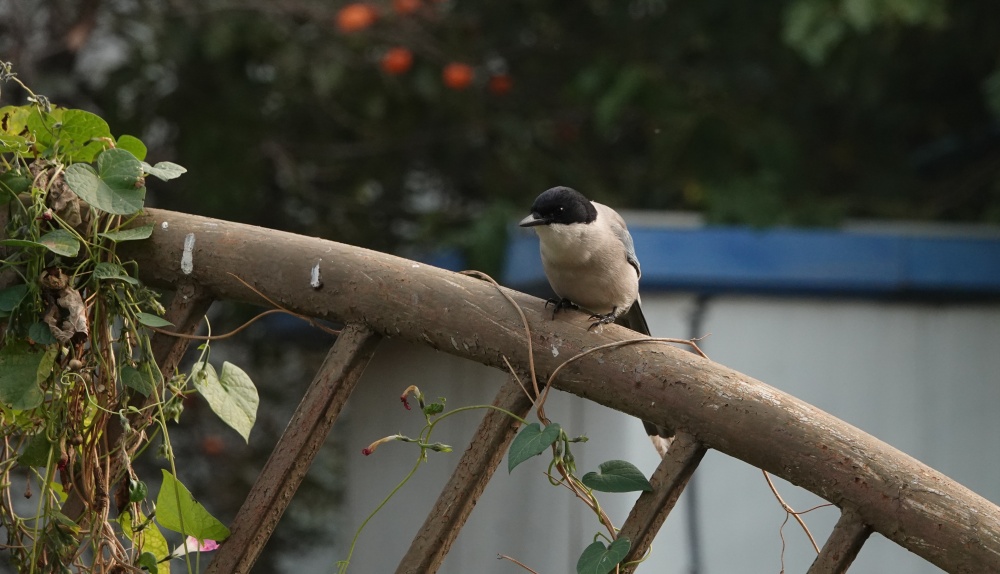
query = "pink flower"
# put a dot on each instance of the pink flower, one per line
(192, 545)
(371, 448)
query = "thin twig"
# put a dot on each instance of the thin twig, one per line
(254, 319)
(527, 335)
(790, 512)
(689, 342)
(305, 318)
(505, 557)
(238, 329)
(518, 379)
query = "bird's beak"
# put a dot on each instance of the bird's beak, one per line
(533, 220)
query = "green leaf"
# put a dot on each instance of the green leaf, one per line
(19, 371)
(133, 145)
(11, 297)
(152, 540)
(232, 395)
(617, 476)
(177, 510)
(13, 120)
(531, 441)
(106, 270)
(12, 182)
(600, 559)
(150, 320)
(59, 490)
(131, 234)
(74, 134)
(41, 334)
(115, 186)
(61, 242)
(20, 243)
(148, 562)
(36, 452)
(144, 382)
(164, 170)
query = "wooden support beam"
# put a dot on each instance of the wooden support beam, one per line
(294, 453)
(843, 545)
(474, 471)
(652, 508)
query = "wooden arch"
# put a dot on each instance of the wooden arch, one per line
(376, 295)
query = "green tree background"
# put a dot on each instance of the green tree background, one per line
(770, 112)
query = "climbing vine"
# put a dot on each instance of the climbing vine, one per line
(76, 358)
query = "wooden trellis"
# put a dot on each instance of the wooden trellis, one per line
(877, 487)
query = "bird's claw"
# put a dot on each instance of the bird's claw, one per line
(560, 304)
(604, 319)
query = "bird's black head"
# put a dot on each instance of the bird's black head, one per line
(560, 205)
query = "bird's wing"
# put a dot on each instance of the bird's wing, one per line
(617, 225)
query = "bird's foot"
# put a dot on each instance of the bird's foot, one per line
(604, 319)
(560, 304)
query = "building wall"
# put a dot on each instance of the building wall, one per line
(922, 377)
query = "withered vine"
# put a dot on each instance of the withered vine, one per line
(76, 357)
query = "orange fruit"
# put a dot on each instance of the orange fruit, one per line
(405, 6)
(397, 61)
(355, 17)
(457, 76)
(500, 84)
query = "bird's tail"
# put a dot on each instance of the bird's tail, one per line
(635, 320)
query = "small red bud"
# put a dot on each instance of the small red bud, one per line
(406, 404)
(366, 451)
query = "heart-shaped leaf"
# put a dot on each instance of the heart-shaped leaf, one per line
(617, 476)
(106, 270)
(531, 441)
(131, 234)
(37, 451)
(114, 187)
(600, 559)
(154, 544)
(150, 320)
(22, 369)
(133, 145)
(11, 297)
(144, 381)
(61, 242)
(177, 510)
(164, 170)
(78, 135)
(41, 333)
(232, 395)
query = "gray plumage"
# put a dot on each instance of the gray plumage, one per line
(589, 259)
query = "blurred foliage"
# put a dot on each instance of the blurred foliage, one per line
(768, 112)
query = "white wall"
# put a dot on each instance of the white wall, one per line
(924, 378)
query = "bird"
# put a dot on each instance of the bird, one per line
(589, 260)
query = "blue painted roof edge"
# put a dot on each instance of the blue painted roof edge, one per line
(789, 261)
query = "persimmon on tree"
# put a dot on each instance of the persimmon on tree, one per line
(457, 75)
(397, 61)
(356, 17)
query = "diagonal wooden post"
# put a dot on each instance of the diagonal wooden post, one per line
(294, 453)
(652, 508)
(846, 540)
(459, 496)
